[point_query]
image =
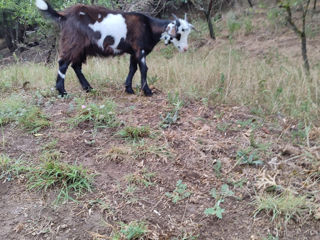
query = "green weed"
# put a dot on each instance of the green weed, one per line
(69, 179)
(172, 116)
(133, 230)
(103, 115)
(179, 193)
(134, 133)
(216, 210)
(248, 156)
(219, 196)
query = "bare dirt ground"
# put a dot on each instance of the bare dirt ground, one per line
(186, 151)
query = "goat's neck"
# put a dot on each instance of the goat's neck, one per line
(158, 27)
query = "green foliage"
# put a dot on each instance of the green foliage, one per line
(217, 168)
(248, 156)
(179, 193)
(133, 230)
(15, 109)
(103, 115)
(219, 197)
(216, 210)
(134, 133)
(224, 192)
(172, 116)
(67, 178)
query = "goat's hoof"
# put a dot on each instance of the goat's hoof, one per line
(148, 93)
(63, 94)
(89, 89)
(129, 91)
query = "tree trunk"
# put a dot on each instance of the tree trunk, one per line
(304, 53)
(210, 26)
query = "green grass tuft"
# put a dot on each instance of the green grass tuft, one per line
(284, 207)
(103, 115)
(134, 133)
(68, 178)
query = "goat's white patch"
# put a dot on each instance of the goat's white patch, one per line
(112, 25)
(61, 74)
(42, 5)
(82, 13)
(143, 59)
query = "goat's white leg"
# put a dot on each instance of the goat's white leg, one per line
(63, 66)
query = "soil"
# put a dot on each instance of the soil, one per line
(195, 143)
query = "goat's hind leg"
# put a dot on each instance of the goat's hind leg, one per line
(63, 66)
(132, 70)
(77, 67)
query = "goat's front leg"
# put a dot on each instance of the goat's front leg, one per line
(143, 70)
(63, 66)
(77, 67)
(132, 70)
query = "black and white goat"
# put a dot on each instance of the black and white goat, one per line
(94, 30)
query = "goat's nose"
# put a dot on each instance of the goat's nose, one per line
(185, 49)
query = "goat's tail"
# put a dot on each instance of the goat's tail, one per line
(47, 10)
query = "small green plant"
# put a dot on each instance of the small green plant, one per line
(179, 193)
(172, 116)
(283, 207)
(216, 210)
(68, 178)
(248, 156)
(219, 197)
(217, 168)
(131, 231)
(103, 115)
(135, 133)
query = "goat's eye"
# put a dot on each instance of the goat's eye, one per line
(182, 30)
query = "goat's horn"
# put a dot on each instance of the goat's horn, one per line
(192, 27)
(185, 17)
(175, 17)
